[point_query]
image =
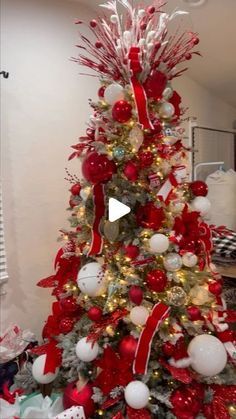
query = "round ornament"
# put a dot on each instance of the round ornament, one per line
(168, 348)
(95, 314)
(122, 111)
(194, 313)
(101, 92)
(111, 230)
(149, 216)
(176, 296)
(166, 110)
(119, 153)
(136, 138)
(86, 351)
(168, 93)
(173, 262)
(127, 347)
(91, 280)
(131, 251)
(215, 288)
(38, 371)
(98, 168)
(131, 171)
(79, 395)
(137, 394)
(66, 325)
(202, 205)
(199, 188)
(136, 295)
(185, 406)
(156, 280)
(146, 158)
(113, 93)
(208, 355)
(139, 315)
(189, 259)
(75, 189)
(159, 243)
(69, 305)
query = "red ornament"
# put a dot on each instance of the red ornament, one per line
(194, 313)
(196, 40)
(131, 251)
(215, 288)
(149, 216)
(185, 406)
(156, 280)
(101, 92)
(93, 23)
(157, 126)
(66, 325)
(227, 336)
(68, 305)
(122, 111)
(151, 10)
(168, 349)
(95, 314)
(98, 168)
(98, 45)
(199, 188)
(131, 171)
(136, 295)
(75, 189)
(73, 396)
(155, 85)
(188, 56)
(146, 158)
(127, 347)
(73, 203)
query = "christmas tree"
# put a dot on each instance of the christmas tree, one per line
(139, 327)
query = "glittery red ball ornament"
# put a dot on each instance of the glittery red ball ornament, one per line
(199, 188)
(156, 280)
(95, 314)
(101, 92)
(149, 216)
(75, 189)
(127, 347)
(75, 396)
(215, 288)
(131, 171)
(66, 325)
(168, 349)
(194, 313)
(131, 251)
(184, 405)
(97, 168)
(227, 336)
(155, 85)
(146, 158)
(122, 111)
(136, 295)
(68, 305)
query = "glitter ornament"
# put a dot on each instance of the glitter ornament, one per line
(199, 188)
(139, 315)
(131, 251)
(137, 394)
(131, 171)
(173, 262)
(66, 325)
(86, 351)
(176, 296)
(146, 158)
(189, 259)
(69, 305)
(119, 153)
(38, 371)
(114, 93)
(156, 280)
(122, 111)
(79, 394)
(166, 110)
(91, 280)
(98, 168)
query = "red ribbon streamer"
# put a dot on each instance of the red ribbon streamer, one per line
(53, 355)
(159, 313)
(139, 92)
(99, 205)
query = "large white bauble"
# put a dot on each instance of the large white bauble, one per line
(38, 369)
(189, 259)
(139, 315)
(159, 243)
(172, 262)
(137, 394)
(166, 110)
(208, 355)
(202, 205)
(113, 93)
(86, 351)
(91, 280)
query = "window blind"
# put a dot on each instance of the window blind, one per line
(3, 259)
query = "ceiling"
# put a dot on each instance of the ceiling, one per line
(215, 23)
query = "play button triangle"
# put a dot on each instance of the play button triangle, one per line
(117, 210)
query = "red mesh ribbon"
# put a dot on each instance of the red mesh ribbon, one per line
(53, 355)
(159, 313)
(99, 206)
(223, 396)
(139, 92)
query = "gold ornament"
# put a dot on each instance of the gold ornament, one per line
(111, 230)
(176, 296)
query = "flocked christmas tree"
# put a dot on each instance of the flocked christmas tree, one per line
(139, 328)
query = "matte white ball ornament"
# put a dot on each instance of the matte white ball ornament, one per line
(139, 315)
(38, 371)
(91, 280)
(189, 259)
(159, 243)
(86, 351)
(208, 355)
(172, 262)
(166, 110)
(202, 205)
(113, 93)
(137, 394)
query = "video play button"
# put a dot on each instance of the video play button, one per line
(117, 210)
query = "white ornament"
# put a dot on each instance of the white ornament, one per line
(113, 93)
(166, 110)
(136, 138)
(208, 355)
(141, 13)
(173, 262)
(139, 315)
(137, 394)
(168, 93)
(38, 371)
(86, 351)
(91, 280)
(189, 259)
(202, 205)
(114, 19)
(159, 243)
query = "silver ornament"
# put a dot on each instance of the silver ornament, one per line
(172, 262)
(176, 296)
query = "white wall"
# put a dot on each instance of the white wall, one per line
(45, 106)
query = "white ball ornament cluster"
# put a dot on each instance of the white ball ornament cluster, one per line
(166, 110)
(202, 205)
(139, 315)
(189, 259)
(208, 355)
(38, 371)
(86, 351)
(91, 280)
(137, 394)
(113, 93)
(159, 243)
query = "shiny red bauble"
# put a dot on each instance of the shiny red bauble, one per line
(156, 280)
(75, 189)
(149, 216)
(131, 171)
(227, 336)
(155, 85)
(199, 188)
(185, 406)
(127, 347)
(168, 349)
(95, 314)
(215, 288)
(136, 295)
(97, 168)
(146, 158)
(101, 92)
(194, 313)
(73, 396)
(131, 251)
(66, 325)
(122, 111)
(68, 305)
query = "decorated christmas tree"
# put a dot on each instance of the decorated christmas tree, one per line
(139, 327)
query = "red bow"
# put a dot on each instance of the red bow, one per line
(53, 355)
